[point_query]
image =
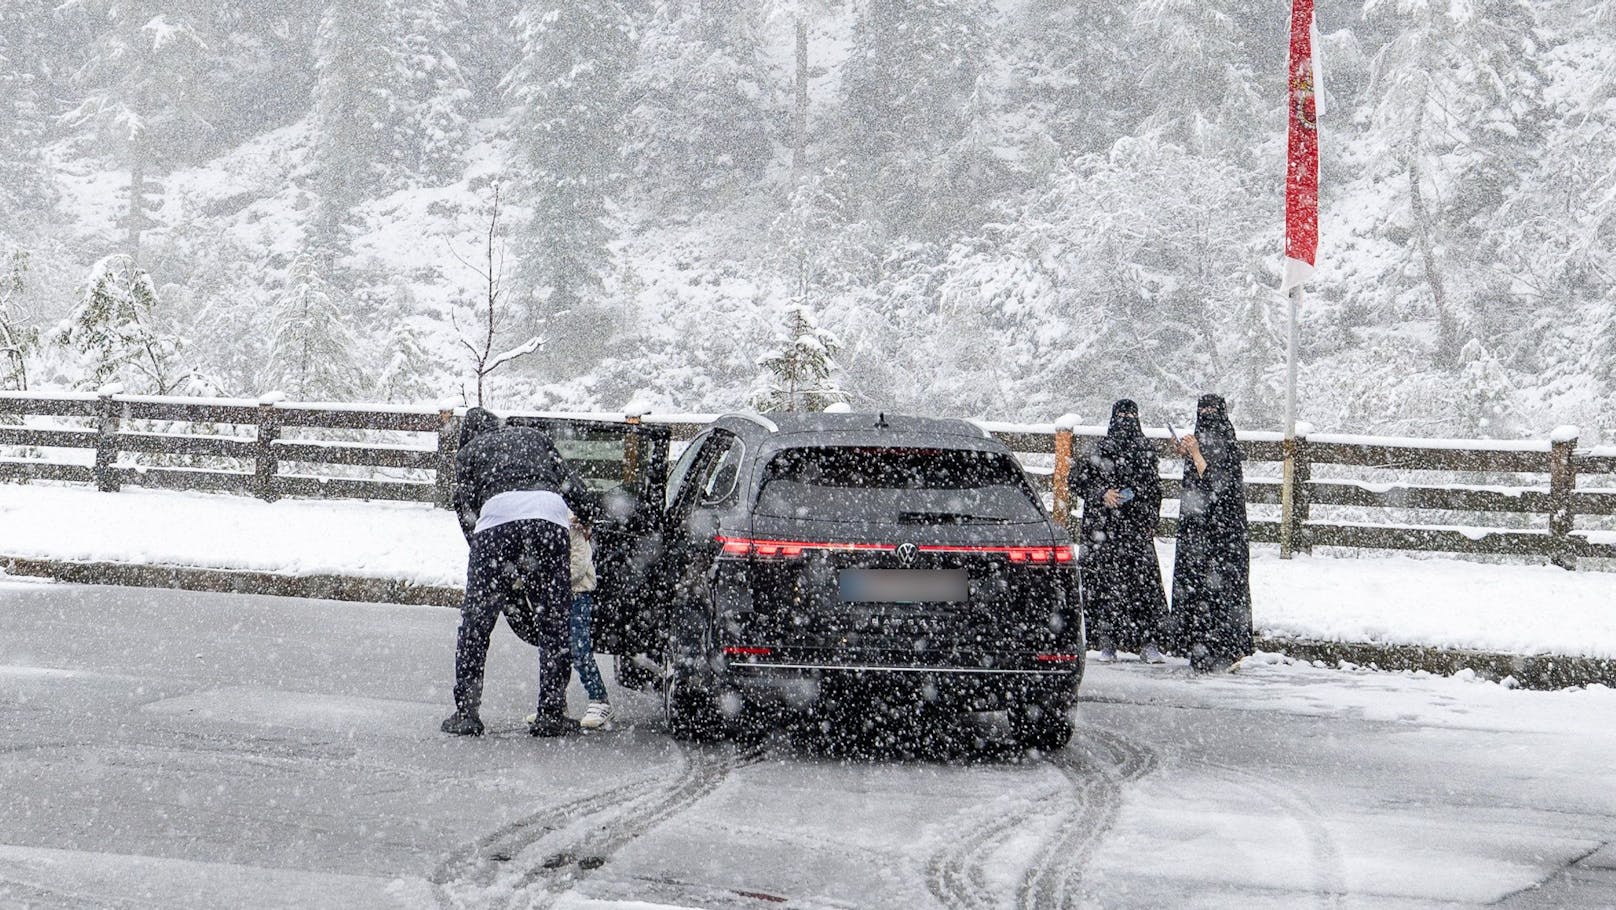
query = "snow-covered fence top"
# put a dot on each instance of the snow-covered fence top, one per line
(407, 453)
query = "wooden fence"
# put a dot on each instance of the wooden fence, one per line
(1538, 498)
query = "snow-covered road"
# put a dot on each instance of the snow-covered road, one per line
(172, 749)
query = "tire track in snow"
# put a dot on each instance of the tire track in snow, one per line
(956, 875)
(1090, 793)
(550, 849)
(1097, 778)
(1324, 854)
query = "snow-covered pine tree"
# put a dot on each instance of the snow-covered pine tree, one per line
(140, 83)
(262, 73)
(800, 16)
(913, 96)
(18, 340)
(25, 185)
(1459, 94)
(799, 374)
(700, 100)
(355, 101)
(568, 87)
(1192, 65)
(117, 335)
(406, 363)
(1073, 82)
(486, 44)
(433, 95)
(1486, 398)
(311, 350)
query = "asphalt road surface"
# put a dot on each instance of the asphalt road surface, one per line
(171, 749)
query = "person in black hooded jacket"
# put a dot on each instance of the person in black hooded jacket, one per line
(1212, 567)
(515, 497)
(1122, 584)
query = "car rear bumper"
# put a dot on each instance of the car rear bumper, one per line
(800, 685)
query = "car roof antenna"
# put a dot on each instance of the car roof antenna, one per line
(881, 420)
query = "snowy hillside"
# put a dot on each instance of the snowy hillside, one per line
(1015, 209)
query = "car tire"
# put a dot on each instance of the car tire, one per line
(632, 673)
(1040, 728)
(687, 703)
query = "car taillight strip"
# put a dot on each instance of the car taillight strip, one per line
(746, 546)
(747, 651)
(1056, 658)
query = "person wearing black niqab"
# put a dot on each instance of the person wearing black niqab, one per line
(1122, 586)
(1212, 567)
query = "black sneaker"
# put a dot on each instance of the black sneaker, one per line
(553, 726)
(462, 723)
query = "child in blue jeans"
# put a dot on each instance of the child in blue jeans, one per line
(598, 716)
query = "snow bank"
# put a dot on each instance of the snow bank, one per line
(1378, 598)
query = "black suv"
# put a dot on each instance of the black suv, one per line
(798, 553)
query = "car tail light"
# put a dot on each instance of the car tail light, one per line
(788, 549)
(1041, 556)
(747, 651)
(785, 549)
(1056, 658)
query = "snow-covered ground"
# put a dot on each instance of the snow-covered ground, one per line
(1518, 609)
(183, 750)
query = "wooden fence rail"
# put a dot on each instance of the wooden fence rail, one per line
(1544, 507)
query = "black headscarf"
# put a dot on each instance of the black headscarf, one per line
(1125, 422)
(1214, 431)
(477, 422)
(1125, 447)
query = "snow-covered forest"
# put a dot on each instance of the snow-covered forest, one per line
(1000, 208)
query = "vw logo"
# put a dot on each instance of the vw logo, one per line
(908, 553)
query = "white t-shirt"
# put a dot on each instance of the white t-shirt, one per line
(518, 505)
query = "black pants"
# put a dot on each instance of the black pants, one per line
(523, 569)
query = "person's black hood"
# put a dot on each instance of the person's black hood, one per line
(1214, 430)
(476, 422)
(1125, 421)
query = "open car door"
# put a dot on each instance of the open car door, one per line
(627, 464)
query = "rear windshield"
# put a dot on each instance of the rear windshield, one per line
(900, 485)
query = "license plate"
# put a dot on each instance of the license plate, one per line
(903, 586)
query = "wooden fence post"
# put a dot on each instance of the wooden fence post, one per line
(631, 448)
(1562, 484)
(448, 445)
(1301, 474)
(264, 462)
(106, 446)
(1060, 481)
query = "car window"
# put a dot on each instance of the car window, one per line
(682, 467)
(898, 485)
(723, 473)
(600, 454)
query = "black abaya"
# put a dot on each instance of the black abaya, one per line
(1122, 586)
(1212, 568)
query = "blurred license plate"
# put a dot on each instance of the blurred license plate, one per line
(903, 586)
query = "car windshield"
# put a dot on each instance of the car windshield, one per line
(897, 485)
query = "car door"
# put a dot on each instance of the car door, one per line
(707, 487)
(626, 464)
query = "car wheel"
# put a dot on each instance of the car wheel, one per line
(687, 704)
(634, 672)
(1040, 728)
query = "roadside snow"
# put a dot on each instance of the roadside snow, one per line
(1519, 609)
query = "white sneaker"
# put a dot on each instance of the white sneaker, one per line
(598, 716)
(1152, 654)
(1108, 655)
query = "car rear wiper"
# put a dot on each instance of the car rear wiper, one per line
(948, 518)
